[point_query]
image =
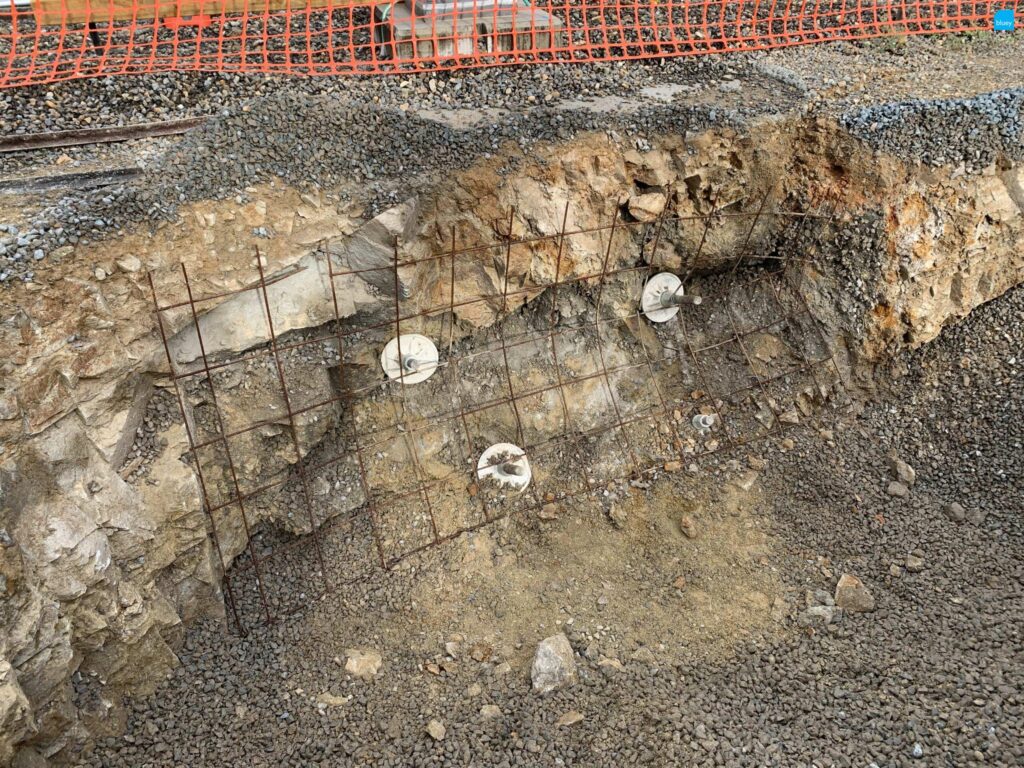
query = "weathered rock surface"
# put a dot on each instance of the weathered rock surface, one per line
(96, 577)
(15, 712)
(361, 265)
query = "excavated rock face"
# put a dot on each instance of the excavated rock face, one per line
(100, 564)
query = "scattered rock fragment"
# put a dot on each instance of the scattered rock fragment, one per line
(129, 264)
(436, 730)
(898, 490)
(328, 699)
(646, 207)
(790, 417)
(746, 481)
(902, 471)
(780, 610)
(954, 512)
(687, 527)
(481, 652)
(362, 663)
(548, 512)
(490, 711)
(569, 718)
(915, 562)
(618, 516)
(851, 595)
(817, 615)
(553, 664)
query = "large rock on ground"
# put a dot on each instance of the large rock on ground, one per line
(553, 665)
(853, 596)
(364, 664)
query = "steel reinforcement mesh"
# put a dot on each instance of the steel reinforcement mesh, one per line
(590, 398)
(43, 41)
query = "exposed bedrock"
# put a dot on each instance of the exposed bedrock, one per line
(104, 550)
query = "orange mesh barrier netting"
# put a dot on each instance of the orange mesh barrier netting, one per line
(42, 41)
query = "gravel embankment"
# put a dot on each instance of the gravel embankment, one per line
(378, 133)
(971, 132)
(931, 677)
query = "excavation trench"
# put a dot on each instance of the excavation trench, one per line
(295, 473)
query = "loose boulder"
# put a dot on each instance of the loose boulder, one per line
(553, 665)
(853, 596)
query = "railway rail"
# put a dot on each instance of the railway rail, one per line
(104, 135)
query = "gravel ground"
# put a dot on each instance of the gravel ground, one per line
(161, 412)
(393, 138)
(931, 677)
(983, 129)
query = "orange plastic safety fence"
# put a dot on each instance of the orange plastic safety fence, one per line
(43, 41)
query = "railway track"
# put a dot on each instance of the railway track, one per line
(82, 137)
(106, 135)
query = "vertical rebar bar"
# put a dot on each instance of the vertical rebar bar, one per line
(227, 446)
(299, 459)
(363, 478)
(410, 434)
(207, 506)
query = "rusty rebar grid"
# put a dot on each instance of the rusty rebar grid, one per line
(454, 408)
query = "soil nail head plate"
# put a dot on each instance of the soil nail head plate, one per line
(507, 464)
(410, 358)
(660, 289)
